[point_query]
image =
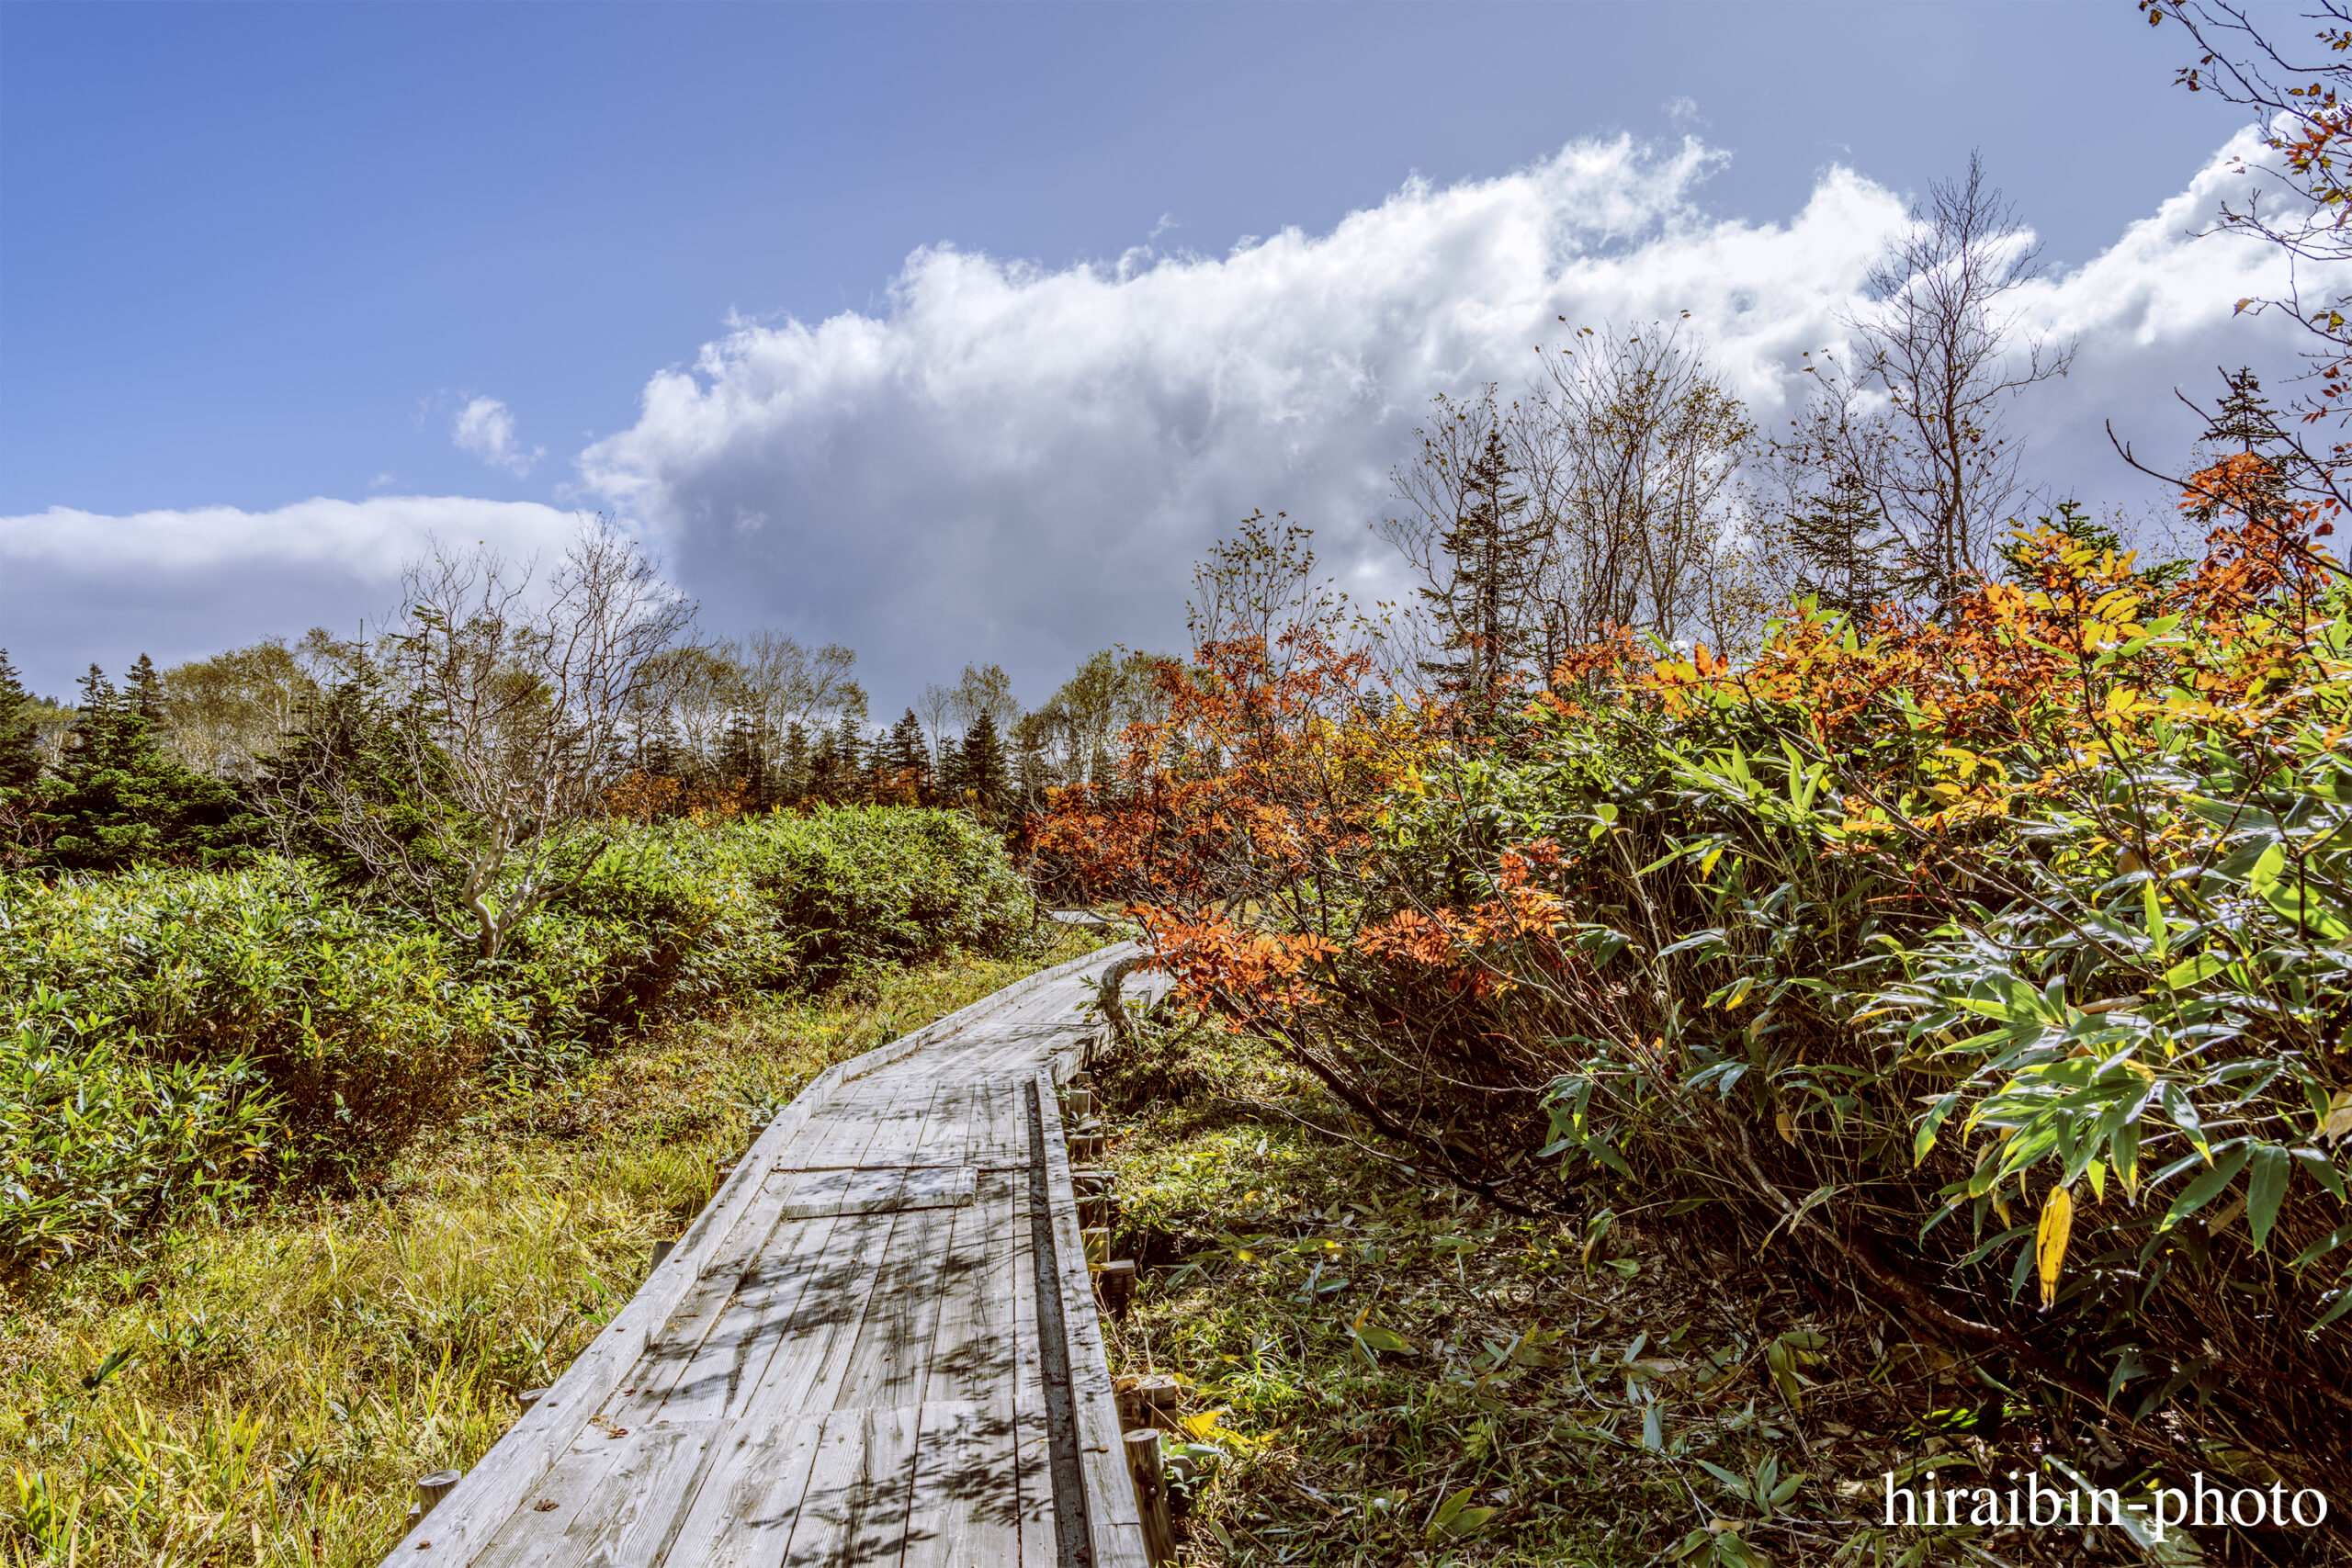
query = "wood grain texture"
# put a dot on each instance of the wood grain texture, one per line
(1113, 1525)
(840, 1359)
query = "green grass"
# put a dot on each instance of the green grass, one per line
(268, 1391)
(1538, 1352)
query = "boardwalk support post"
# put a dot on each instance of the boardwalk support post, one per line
(1116, 1279)
(1151, 1496)
(1106, 1001)
(1157, 1398)
(431, 1488)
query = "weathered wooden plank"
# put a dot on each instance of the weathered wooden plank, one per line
(937, 1186)
(1032, 1438)
(822, 1526)
(618, 1499)
(816, 1339)
(946, 1129)
(965, 1511)
(866, 1127)
(884, 1098)
(566, 1495)
(971, 1350)
(854, 1511)
(707, 1377)
(871, 1190)
(472, 1514)
(761, 1271)
(750, 1498)
(1001, 1129)
(899, 1122)
(1113, 1529)
(641, 1528)
(890, 1361)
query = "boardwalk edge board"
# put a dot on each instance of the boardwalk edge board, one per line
(1114, 1528)
(499, 1483)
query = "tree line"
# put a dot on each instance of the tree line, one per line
(1626, 489)
(471, 756)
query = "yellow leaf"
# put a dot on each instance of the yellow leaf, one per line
(2050, 1240)
(1201, 1425)
(2338, 1124)
(1203, 1428)
(1787, 1124)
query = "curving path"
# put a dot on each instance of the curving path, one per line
(877, 1346)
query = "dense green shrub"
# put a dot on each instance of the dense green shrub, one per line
(883, 885)
(174, 1035)
(360, 1024)
(94, 1142)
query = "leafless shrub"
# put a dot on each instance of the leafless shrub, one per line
(496, 714)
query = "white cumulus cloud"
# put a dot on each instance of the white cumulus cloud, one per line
(1018, 463)
(486, 428)
(77, 586)
(1021, 463)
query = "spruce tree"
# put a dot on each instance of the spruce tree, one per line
(20, 737)
(117, 799)
(1847, 557)
(904, 757)
(983, 775)
(826, 768)
(145, 689)
(846, 779)
(2243, 418)
(795, 762)
(743, 763)
(343, 754)
(1494, 552)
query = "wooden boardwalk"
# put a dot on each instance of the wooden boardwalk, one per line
(877, 1346)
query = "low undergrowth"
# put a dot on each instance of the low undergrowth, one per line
(266, 1392)
(1991, 960)
(177, 1043)
(1380, 1368)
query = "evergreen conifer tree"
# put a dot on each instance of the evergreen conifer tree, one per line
(1495, 552)
(343, 754)
(793, 765)
(144, 689)
(20, 737)
(2244, 419)
(1848, 559)
(851, 752)
(743, 763)
(983, 775)
(904, 757)
(117, 799)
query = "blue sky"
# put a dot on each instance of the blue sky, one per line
(252, 256)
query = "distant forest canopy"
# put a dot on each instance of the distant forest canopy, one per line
(165, 764)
